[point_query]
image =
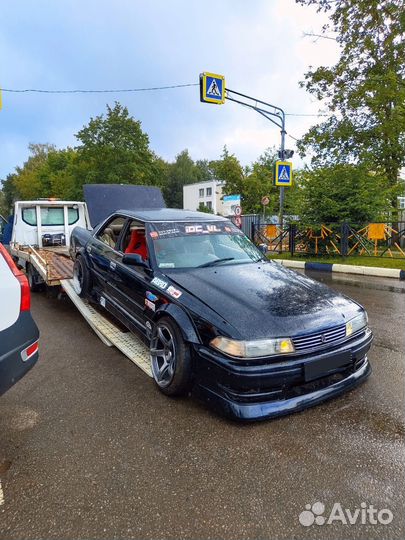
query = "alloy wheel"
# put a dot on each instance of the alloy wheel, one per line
(77, 277)
(163, 355)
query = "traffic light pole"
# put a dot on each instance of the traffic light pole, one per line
(275, 115)
(281, 210)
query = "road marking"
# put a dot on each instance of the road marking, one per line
(1, 495)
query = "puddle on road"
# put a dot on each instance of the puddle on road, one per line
(377, 422)
(361, 282)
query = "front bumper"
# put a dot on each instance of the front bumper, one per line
(265, 388)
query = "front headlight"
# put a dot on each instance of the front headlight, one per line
(253, 349)
(356, 324)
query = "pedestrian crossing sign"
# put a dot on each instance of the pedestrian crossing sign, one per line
(283, 173)
(212, 88)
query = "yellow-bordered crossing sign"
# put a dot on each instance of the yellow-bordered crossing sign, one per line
(212, 88)
(283, 173)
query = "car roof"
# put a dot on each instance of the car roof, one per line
(169, 214)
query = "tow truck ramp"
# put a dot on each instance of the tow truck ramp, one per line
(110, 334)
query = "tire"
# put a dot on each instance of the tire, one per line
(81, 278)
(31, 276)
(174, 379)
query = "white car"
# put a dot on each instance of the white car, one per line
(19, 334)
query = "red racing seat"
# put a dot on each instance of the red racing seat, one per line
(137, 244)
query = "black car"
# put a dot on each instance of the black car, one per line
(251, 337)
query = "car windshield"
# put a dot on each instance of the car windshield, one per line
(193, 245)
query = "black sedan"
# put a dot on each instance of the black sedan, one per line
(252, 338)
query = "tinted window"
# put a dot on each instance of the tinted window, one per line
(190, 245)
(109, 233)
(29, 215)
(50, 215)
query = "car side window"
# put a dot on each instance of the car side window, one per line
(110, 232)
(134, 240)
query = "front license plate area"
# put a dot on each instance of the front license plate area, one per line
(323, 366)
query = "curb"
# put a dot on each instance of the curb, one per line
(345, 268)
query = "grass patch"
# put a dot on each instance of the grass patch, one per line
(378, 262)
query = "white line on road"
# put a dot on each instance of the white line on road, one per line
(1, 495)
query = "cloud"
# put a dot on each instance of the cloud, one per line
(71, 44)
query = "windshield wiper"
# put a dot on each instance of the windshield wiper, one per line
(216, 261)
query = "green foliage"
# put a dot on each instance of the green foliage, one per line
(9, 193)
(342, 192)
(254, 182)
(204, 170)
(30, 180)
(113, 149)
(258, 183)
(364, 91)
(183, 171)
(47, 173)
(228, 169)
(4, 209)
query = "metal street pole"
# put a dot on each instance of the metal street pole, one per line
(275, 115)
(282, 148)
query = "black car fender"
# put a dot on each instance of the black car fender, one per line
(79, 240)
(181, 318)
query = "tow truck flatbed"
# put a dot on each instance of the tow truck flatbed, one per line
(108, 332)
(51, 264)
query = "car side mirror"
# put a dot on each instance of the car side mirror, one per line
(133, 259)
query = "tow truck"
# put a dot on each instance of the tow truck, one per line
(40, 244)
(41, 236)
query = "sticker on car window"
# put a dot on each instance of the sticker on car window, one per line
(150, 304)
(201, 229)
(162, 231)
(159, 283)
(174, 292)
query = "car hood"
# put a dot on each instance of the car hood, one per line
(266, 300)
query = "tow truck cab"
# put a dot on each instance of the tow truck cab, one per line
(47, 222)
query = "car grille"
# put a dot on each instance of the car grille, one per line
(321, 339)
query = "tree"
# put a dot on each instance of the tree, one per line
(9, 193)
(342, 192)
(254, 182)
(229, 169)
(4, 209)
(364, 91)
(204, 170)
(31, 181)
(113, 149)
(46, 173)
(59, 169)
(183, 171)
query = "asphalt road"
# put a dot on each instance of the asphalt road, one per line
(90, 449)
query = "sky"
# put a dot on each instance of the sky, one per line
(258, 45)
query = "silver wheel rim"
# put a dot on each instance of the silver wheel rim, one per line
(77, 278)
(163, 356)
